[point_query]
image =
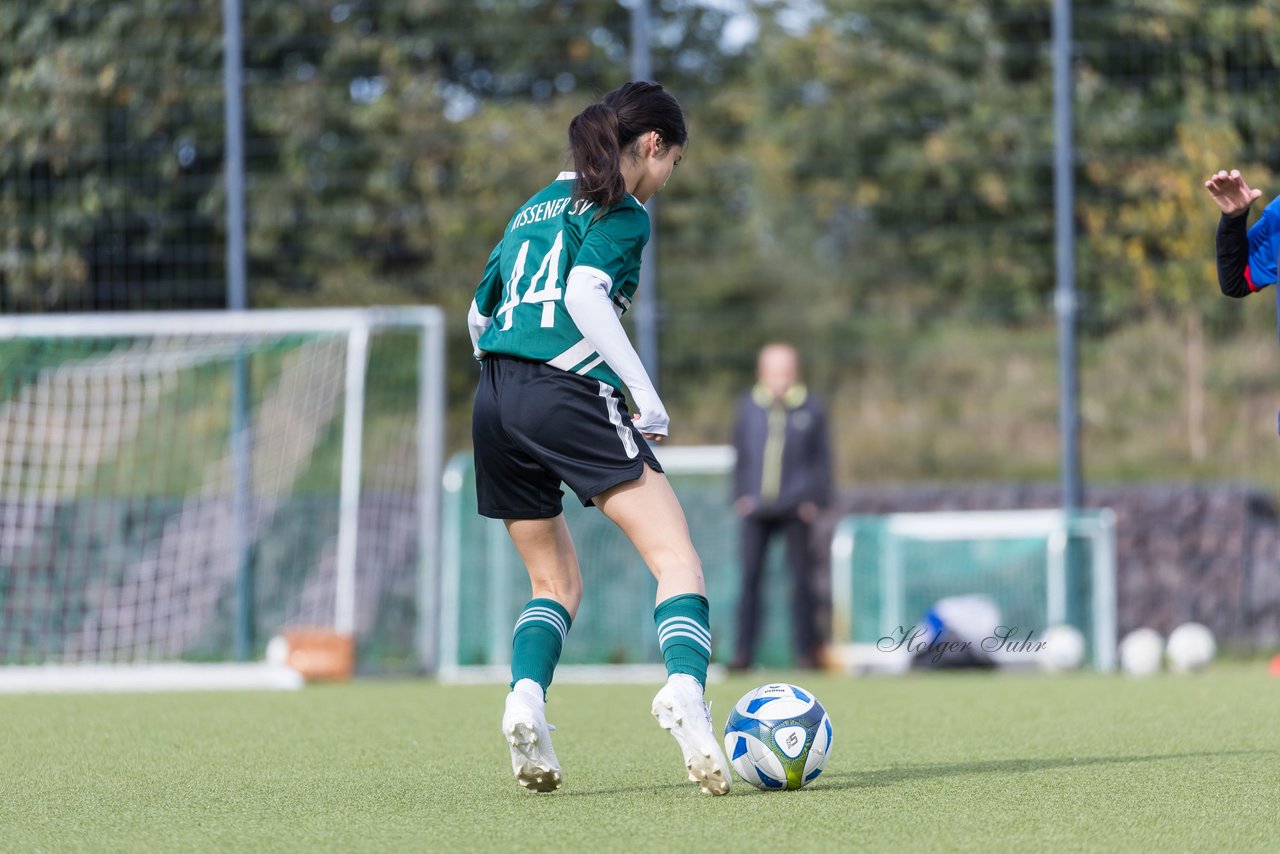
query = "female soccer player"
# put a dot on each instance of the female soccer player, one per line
(554, 356)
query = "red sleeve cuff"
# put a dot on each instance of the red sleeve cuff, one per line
(1248, 277)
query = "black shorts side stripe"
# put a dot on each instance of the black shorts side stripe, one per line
(615, 418)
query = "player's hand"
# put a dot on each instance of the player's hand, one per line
(744, 506)
(652, 420)
(1231, 193)
(644, 427)
(808, 512)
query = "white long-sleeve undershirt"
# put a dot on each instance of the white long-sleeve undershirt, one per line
(477, 323)
(587, 300)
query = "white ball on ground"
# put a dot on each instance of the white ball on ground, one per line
(1063, 649)
(278, 651)
(1190, 648)
(1141, 651)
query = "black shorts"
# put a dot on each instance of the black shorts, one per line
(534, 426)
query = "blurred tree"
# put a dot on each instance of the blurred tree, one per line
(915, 136)
(393, 139)
(110, 146)
(858, 169)
(360, 118)
(1153, 121)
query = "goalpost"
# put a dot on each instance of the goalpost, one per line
(1039, 568)
(153, 527)
(484, 585)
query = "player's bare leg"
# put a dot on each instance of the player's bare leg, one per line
(551, 559)
(648, 512)
(548, 554)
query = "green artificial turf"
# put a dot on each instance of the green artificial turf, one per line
(926, 762)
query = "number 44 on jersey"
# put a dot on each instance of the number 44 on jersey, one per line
(544, 287)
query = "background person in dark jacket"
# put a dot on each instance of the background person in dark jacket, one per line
(781, 482)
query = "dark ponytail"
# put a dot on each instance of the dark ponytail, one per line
(598, 135)
(593, 139)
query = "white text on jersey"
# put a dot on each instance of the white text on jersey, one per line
(549, 209)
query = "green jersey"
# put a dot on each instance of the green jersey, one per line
(522, 288)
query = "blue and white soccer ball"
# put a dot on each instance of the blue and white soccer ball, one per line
(778, 737)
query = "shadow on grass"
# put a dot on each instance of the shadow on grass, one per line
(639, 788)
(908, 773)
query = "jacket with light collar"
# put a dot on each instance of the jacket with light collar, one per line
(784, 451)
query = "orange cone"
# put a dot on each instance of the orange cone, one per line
(1274, 670)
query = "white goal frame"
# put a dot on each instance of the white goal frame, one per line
(1056, 526)
(356, 324)
(675, 459)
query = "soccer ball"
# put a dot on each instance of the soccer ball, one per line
(1141, 651)
(1190, 648)
(778, 737)
(1063, 649)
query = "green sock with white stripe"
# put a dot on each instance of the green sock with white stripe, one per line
(537, 640)
(684, 633)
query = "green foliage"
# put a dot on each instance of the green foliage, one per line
(106, 173)
(1184, 98)
(906, 148)
(856, 175)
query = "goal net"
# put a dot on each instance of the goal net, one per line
(1039, 568)
(181, 487)
(484, 584)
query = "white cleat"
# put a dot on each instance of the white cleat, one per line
(681, 711)
(528, 734)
